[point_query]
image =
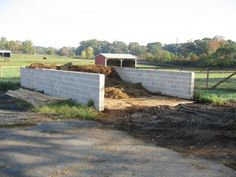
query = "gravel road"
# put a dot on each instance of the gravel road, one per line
(85, 148)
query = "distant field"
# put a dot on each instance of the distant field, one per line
(226, 92)
(24, 60)
(11, 68)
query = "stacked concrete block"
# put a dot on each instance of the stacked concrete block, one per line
(173, 83)
(78, 86)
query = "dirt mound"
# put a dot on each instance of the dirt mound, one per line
(132, 90)
(118, 86)
(91, 69)
(115, 93)
(41, 65)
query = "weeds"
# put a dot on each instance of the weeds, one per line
(68, 109)
(216, 96)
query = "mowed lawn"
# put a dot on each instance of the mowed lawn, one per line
(11, 68)
(226, 92)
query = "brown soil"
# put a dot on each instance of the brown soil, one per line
(152, 101)
(115, 93)
(41, 65)
(193, 129)
(91, 69)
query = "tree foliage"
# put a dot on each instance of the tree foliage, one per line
(206, 51)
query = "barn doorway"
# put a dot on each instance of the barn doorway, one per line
(128, 63)
(114, 62)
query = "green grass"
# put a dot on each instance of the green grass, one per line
(11, 68)
(68, 110)
(24, 60)
(216, 96)
(8, 85)
(224, 93)
(214, 77)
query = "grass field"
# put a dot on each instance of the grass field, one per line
(11, 68)
(24, 60)
(226, 92)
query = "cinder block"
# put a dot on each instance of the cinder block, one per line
(173, 83)
(79, 86)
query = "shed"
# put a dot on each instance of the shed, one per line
(5, 53)
(120, 60)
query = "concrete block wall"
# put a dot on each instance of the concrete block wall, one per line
(78, 86)
(174, 83)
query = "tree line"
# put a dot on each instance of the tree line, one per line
(202, 52)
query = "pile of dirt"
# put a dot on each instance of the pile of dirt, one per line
(41, 65)
(115, 93)
(116, 88)
(91, 69)
(117, 85)
(131, 90)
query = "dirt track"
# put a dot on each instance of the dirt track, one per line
(193, 129)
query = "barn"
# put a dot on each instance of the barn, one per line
(120, 60)
(5, 53)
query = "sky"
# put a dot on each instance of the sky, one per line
(59, 23)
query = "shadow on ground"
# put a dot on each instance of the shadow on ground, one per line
(84, 148)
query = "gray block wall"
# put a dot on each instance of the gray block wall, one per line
(79, 86)
(173, 83)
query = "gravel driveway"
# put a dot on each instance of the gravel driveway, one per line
(85, 148)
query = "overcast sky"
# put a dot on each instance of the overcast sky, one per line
(60, 23)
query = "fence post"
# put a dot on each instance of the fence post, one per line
(207, 79)
(0, 70)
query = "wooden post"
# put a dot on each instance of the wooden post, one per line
(207, 78)
(0, 70)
